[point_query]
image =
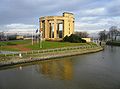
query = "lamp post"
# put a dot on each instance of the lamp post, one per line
(32, 37)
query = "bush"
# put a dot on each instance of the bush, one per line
(12, 37)
(83, 41)
(73, 39)
(66, 38)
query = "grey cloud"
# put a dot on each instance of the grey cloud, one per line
(19, 11)
(114, 10)
(16, 11)
(29, 11)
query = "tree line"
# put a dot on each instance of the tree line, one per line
(110, 35)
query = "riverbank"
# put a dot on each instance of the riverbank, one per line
(49, 54)
(25, 45)
(114, 43)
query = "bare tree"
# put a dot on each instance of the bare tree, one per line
(113, 32)
(102, 35)
(2, 36)
(82, 34)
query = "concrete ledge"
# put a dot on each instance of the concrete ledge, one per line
(53, 56)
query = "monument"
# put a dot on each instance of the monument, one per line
(57, 27)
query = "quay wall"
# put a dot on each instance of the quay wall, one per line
(54, 55)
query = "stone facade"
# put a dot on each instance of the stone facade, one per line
(57, 27)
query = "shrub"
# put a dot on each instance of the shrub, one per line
(83, 41)
(74, 39)
(66, 38)
(12, 37)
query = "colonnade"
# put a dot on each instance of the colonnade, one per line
(54, 27)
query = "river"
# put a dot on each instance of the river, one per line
(99, 70)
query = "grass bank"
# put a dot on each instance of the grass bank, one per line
(47, 54)
(114, 43)
(25, 45)
(49, 50)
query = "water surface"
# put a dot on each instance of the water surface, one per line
(99, 70)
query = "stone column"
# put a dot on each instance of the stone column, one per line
(66, 27)
(48, 31)
(73, 27)
(46, 28)
(41, 27)
(51, 30)
(58, 30)
(55, 28)
(63, 29)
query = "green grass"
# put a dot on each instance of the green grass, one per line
(36, 46)
(15, 42)
(4, 44)
(5, 48)
(49, 44)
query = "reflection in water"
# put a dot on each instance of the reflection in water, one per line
(57, 69)
(99, 70)
(112, 48)
(20, 67)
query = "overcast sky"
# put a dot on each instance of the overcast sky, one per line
(90, 15)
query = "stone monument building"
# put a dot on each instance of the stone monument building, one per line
(57, 27)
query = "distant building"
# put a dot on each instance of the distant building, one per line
(51, 25)
(87, 39)
(19, 37)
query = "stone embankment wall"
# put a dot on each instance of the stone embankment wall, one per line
(47, 54)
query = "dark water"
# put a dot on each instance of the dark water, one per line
(90, 71)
